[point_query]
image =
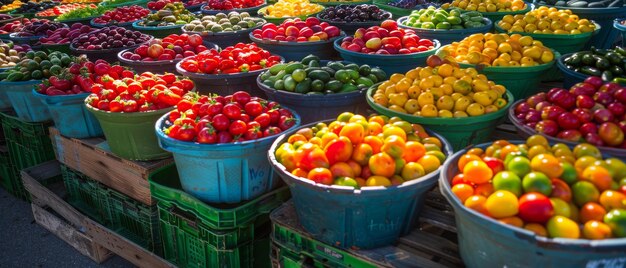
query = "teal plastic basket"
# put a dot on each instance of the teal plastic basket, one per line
(27, 107)
(446, 36)
(70, 115)
(222, 173)
(485, 242)
(364, 218)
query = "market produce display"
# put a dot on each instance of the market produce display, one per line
(160, 4)
(116, 2)
(352, 13)
(291, 8)
(499, 50)
(34, 7)
(222, 22)
(79, 1)
(110, 37)
(62, 9)
(18, 25)
(608, 63)
(232, 4)
(121, 15)
(36, 66)
(297, 30)
(311, 76)
(234, 59)
(487, 5)
(386, 39)
(225, 119)
(544, 20)
(11, 54)
(437, 92)
(80, 76)
(169, 48)
(171, 14)
(415, 4)
(65, 35)
(82, 13)
(549, 190)
(438, 18)
(582, 4)
(4, 17)
(592, 112)
(356, 151)
(10, 7)
(39, 28)
(139, 93)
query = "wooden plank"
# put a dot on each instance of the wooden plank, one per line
(70, 235)
(127, 177)
(432, 244)
(124, 247)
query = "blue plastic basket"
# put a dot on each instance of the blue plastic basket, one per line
(158, 31)
(485, 242)
(400, 63)
(32, 41)
(70, 115)
(345, 217)
(570, 77)
(447, 36)
(222, 173)
(621, 28)
(294, 51)
(27, 107)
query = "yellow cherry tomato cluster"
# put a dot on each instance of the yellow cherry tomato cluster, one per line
(499, 50)
(546, 20)
(11, 6)
(487, 5)
(553, 191)
(292, 8)
(356, 151)
(441, 91)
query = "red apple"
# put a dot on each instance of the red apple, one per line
(354, 47)
(551, 112)
(584, 115)
(570, 135)
(332, 31)
(370, 35)
(155, 50)
(547, 127)
(357, 41)
(620, 95)
(536, 99)
(564, 99)
(568, 121)
(603, 98)
(595, 81)
(533, 116)
(618, 109)
(305, 32)
(360, 33)
(310, 21)
(584, 101)
(389, 25)
(589, 127)
(382, 32)
(396, 33)
(610, 87)
(603, 115)
(523, 107)
(583, 89)
(594, 139)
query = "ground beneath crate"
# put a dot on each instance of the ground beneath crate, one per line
(26, 244)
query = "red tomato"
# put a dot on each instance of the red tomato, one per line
(535, 207)
(237, 128)
(253, 108)
(231, 111)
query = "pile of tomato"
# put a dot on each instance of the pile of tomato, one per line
(224, 119)
(138, 93)
(357, 151)
(553, 191)
(80, 77)
(240, 58)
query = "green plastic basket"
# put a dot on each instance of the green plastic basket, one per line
(563, 43)
(603, 16)
(261, 13)
(460, 132)
(496, 16)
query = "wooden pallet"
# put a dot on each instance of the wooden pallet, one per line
(90, 157)
(85, 235)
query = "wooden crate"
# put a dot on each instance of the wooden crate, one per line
(90, 157)
(85, 235)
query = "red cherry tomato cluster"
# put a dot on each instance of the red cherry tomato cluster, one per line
(62, 9)
(160, 4)
(194, 2)
(231, 4)
(386, 39)
(80, 78)
(122, 15)
(141, 93)
(234, 59)
(292, 30)
(171, 47)
(234, 118)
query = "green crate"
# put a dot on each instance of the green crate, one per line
(85, 195)
(134, 220)
(7, 172)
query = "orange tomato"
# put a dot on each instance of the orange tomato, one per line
(356, 168)
(596, 230)
(476, 151)
(296, 137)
(321, 175)
(429, 162)
(298, 172)
(466, 158)
(378, 119)
(599, 176)
(338, 150)
(502, 204)
(547, 164)
(413, 151)
(362, 153)
(382, 164)
(306, 132)
(375, 142)
(411, 171)
(610, 199)
(485, 189)
(460, 178)
(432, 140)
(360, 181)
(341, 169)
(393, 146)
(394, 130)
(373, 128)
(477, 202)
(378, 181)
(515, 221)
(354, 131)
(336, 127)
(591, 211)
(561, 190)
(309, 156)
(536, 228)
(463, 191)
(327, 138)
(477, 172)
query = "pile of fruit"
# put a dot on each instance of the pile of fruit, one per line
(169, 48)
(142, 93)
(65, 35)
(544, 20)
(592, 111)
(17, 25)
(234, 118)
(498, 50)
(582, 4)
(221, 22)
(386, 39)
(356, 151)
(549, 190)
(62, 9)
(122, 15)
(79, 1)
(160, 4)
(292, 8)
(441, 90)
(171, 14)
(240, 58)
(192, 3)
(80, 77)
(4, 17)
(37, 65)
(310, 76)
(34, 7)
(437, 18)
(11, 54)
(359, 13)
(39, 28)
(232, 4)
(415, 4)
(607, 63)
(82, 13)
(297, 30)
(109, 37)
(487, 5)
(10, 7)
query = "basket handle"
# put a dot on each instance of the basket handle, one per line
(189, 218)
